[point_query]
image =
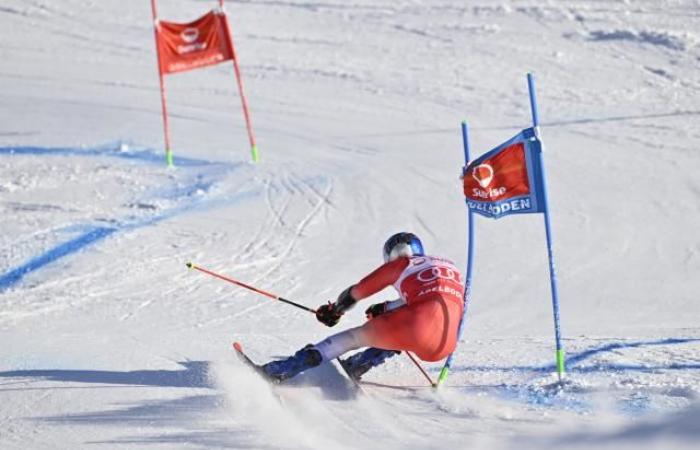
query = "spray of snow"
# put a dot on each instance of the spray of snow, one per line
(250, 400)
(305, 414)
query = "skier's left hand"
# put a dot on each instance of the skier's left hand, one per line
(328, 314)
(376, 310)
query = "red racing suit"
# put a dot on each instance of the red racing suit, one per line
(427, 325)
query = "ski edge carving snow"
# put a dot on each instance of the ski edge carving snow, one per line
(249, 362)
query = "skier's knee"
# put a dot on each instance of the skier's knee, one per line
(338, 344)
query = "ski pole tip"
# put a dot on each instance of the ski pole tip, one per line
(189, 265)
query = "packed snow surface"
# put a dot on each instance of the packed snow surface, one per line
(108, 341)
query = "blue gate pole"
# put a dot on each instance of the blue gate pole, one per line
(470, 264)
(560, 361)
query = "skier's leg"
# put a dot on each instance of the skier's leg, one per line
(428, 329)
(313, 355)
(338, 344)
(361, 362)
(423, 329)
(352, 339)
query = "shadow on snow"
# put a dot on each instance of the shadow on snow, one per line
(576, 358)
(194, 375)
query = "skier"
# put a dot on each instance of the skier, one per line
(424, 320)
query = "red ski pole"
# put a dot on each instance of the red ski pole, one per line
(243, 285)
(425, 374)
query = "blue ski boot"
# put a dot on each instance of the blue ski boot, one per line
(283, 369)
(359, 363)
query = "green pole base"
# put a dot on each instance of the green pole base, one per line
(442, 377)
(169, 158)
(254, 153)
(561, 366)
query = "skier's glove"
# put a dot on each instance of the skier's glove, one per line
(331, 313)
(376, 310)
(328, 315)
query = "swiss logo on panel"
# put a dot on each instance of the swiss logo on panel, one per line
(500, 177)
(426, 275)
(186, 46)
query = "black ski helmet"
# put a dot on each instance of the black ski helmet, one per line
(402, 244)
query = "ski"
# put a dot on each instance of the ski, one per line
(249, 362)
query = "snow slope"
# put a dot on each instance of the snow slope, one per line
(109, 342)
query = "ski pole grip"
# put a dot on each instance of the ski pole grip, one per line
(289, 302)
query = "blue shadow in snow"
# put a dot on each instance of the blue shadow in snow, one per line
(194, 374)
(66, 248)
(145, 156)
(576, 358)
(583, 355)
(97, 233)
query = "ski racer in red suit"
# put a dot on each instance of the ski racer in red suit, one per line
(423, 320)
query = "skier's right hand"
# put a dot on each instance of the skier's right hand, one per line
(328, 314)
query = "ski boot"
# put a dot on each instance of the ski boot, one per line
(283, 369)
(359, 363)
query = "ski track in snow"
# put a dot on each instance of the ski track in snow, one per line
(188, 197)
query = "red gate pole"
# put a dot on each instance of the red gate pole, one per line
(239, 81)
(166, 126)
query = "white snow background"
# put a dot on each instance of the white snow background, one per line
(108, 341)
